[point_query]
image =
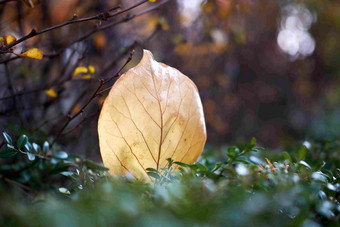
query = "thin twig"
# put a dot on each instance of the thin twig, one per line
(99, 28)
(101, 16)
(94, 95)
(5, 1)
(81, 122)
(9, 59)
(56, 82)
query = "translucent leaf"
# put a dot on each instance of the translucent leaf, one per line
(91, 68)
(152, 113)
(154, 175)
(9, 39)
(32, 53)
(80, 69)
(51, 92)
(86, 77)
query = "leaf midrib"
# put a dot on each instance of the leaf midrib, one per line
(161, 114)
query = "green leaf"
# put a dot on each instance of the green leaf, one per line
(201, 167)
(30, 156)
(244, 159)
(28, 146)
(8, 152)
(46, 147)
(152, 170)
(95, 166)
(232, 152)
(319, 176)
(287, 157)
(154, 175)
(67, 173)
(181, 164)
(36, 147)
(170, 162)
(7, 138)
(64, 191)
(60, 155)
(305, 164)
(59, 168)
(253, 141)
(11, 146)
(302, 152)
(22, 141)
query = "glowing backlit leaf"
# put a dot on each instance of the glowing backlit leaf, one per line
(51, 92)
(153, 112)
(86, 77)
(91, 68)
(80, 69)
(32, 53)
(9, 39)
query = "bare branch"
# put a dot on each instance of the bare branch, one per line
(101, 16)
(94, 95)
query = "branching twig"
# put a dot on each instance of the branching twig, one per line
(101, 16)
(81, 122)
(56, 82)
(5, 1)
(97, 29)
(94, 95)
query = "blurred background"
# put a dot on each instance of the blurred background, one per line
(264, 69)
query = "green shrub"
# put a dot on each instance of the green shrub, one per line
(233, 186)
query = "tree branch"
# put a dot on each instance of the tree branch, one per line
(101, 16)
(94, 95)
(97, 29)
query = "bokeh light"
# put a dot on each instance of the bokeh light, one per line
(293, 37)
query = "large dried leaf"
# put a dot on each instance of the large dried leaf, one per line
(153, 112)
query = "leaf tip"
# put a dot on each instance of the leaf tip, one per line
(147, 56)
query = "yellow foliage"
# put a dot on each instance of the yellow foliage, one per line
(153, 112)
(80, 69)
(99, 40)
(51, 92)
(32, 53)
(86, 77)
(163, 23)
(91, 68)
(9, 39)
